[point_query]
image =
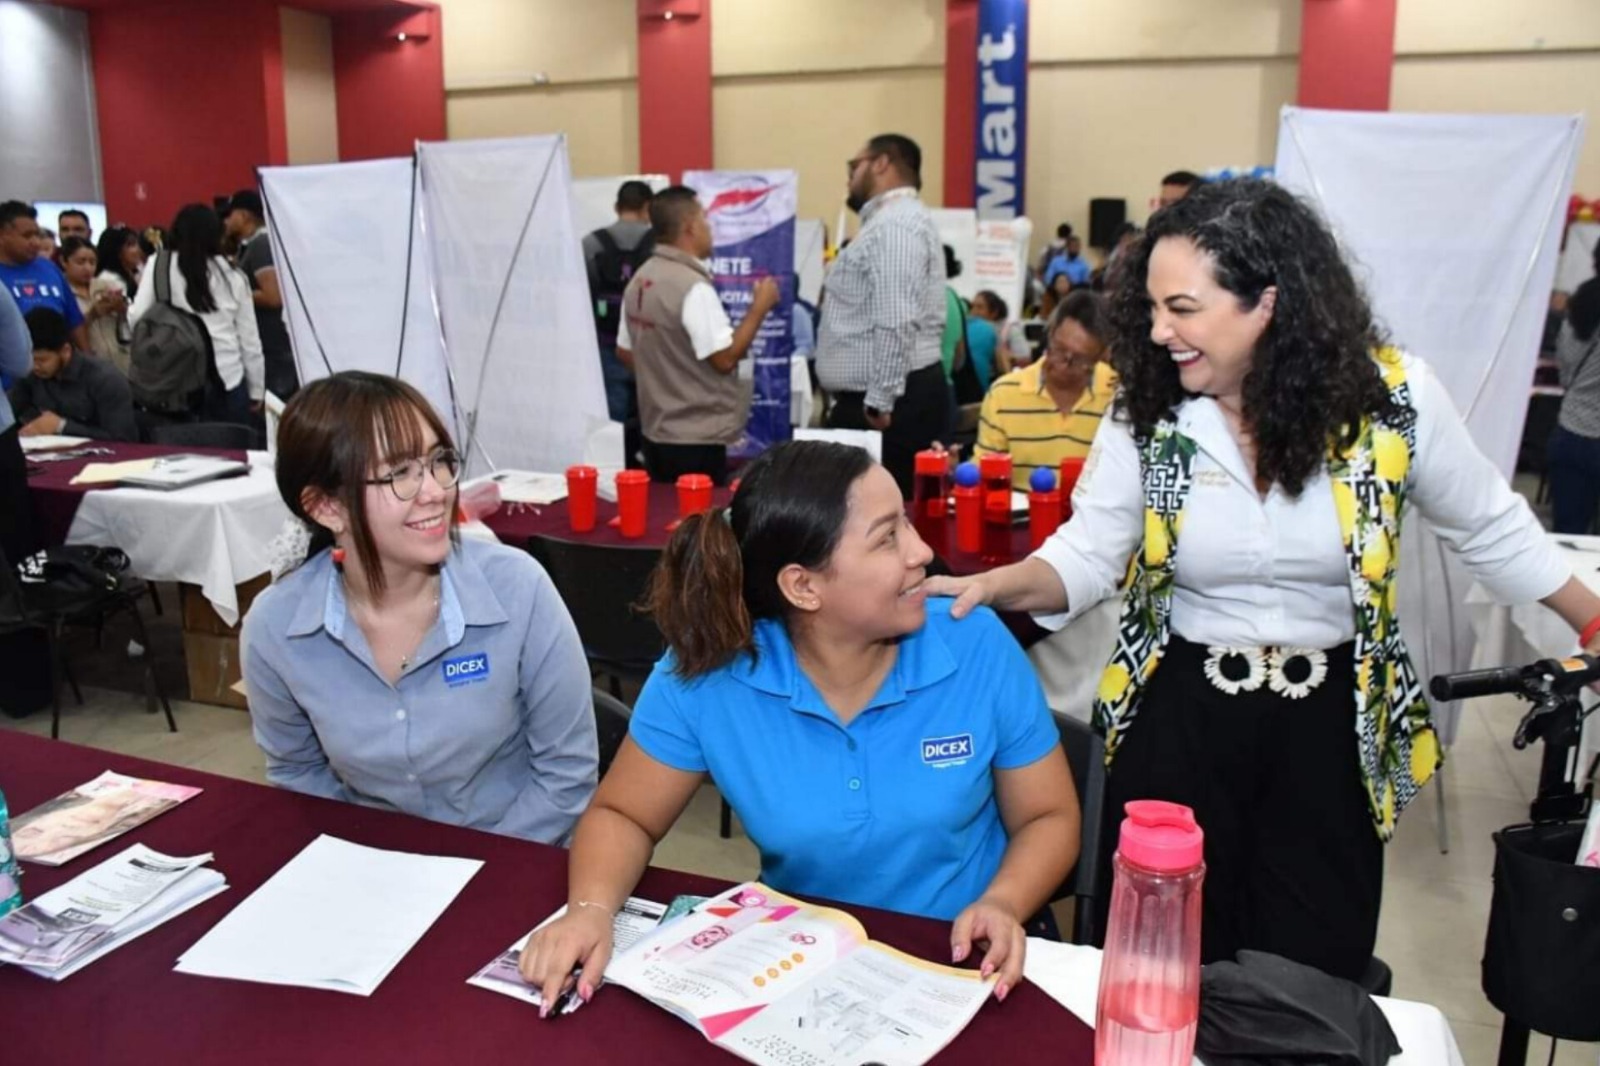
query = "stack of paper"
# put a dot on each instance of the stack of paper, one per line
(338, 916)
(527, 486)
(85, 817)
(636, 919)
(45, 441)
(69, 927)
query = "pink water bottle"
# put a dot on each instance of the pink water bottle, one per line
(1150, 976)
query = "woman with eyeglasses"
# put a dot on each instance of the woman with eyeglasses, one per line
(400, 666)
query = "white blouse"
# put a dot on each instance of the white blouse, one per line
(235, 340)
(1254, 571)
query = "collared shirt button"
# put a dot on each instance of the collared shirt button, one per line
(411, 777)
(851, 741)
(855, 784)
(400, 715)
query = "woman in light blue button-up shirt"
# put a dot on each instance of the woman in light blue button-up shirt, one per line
(397, 667)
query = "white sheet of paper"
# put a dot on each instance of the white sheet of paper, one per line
(338, 916)
(869, 439)
(46, 441)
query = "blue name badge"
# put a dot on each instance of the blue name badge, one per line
(947, 751)
(466, 670)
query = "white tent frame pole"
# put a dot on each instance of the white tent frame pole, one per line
(505, 289)
(421, 221)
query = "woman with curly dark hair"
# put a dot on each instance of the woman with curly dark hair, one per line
(1259, 675)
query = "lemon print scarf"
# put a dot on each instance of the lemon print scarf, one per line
(1396, 743)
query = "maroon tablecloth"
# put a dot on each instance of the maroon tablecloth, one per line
(131, 1007)
(55, 499)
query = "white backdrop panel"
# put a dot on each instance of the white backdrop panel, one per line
(341, 247)
(501, 231)
(1453, 223)
(809, 241)
(958, 227)
(594, 200)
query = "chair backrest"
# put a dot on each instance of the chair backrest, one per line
(600, 583)
(1085, 750)
(611, 717)
(204, 435)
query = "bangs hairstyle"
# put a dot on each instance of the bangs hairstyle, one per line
(1312, 378)
(719, 572)
(339, 432)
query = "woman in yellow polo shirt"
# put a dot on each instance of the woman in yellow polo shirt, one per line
(1049, 411)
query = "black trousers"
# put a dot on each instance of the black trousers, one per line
(1293, 863)
(24, 656)
(667, 462)
(921, 416)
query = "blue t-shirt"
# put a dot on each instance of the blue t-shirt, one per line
(896, 810)
(41, 284)
(981, 341)
(1077, 268)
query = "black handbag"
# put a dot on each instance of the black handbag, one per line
(75, 568)
(1541, 962)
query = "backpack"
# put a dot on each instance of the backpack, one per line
(613, 269)
(171, 352)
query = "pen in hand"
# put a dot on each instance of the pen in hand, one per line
(568, 994)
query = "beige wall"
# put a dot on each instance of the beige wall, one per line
(601, 121)
(494, 50)
(767, 37)
(1115, 129)
(1434, 26)
(813, 123)
(1163, 30)
(1549, 83)
(1121, 91)
(310, 101)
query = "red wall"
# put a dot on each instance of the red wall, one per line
(182, 90)
(391, 93)
(1346, 54)
(960, 102)
(674, 87)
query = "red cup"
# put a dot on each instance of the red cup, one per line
(694, 494)
(582, 482)
(1071, 470)
(633, 502)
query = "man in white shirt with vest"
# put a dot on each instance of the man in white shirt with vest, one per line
(683, 351)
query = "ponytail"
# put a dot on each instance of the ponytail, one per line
(696, 595)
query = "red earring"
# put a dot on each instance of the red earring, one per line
(338, 558)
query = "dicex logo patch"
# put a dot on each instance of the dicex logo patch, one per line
(947, 751)
(466, 669)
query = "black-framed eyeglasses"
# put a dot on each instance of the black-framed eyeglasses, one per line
(405, 480)
(851, 164)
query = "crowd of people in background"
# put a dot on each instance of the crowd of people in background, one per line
(84, 295)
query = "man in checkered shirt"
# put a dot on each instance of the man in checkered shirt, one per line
(883, 311)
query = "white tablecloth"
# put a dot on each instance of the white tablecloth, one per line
(214, 535)
(1070, 975)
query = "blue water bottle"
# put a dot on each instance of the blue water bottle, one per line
(10, 873)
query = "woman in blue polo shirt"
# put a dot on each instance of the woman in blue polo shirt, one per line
(398, 667)
(875, 753)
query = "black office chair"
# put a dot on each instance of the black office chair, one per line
(52, 606)
(1086, 884)
(204, 435)
(611, 717)
(600, 584)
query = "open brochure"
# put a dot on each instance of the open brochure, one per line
(778, 981)
(103, 908)
(61, 829)
(637, 919)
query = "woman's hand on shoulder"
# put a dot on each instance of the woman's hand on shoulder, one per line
(998, 932)
(968, 592)
(579, 938)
